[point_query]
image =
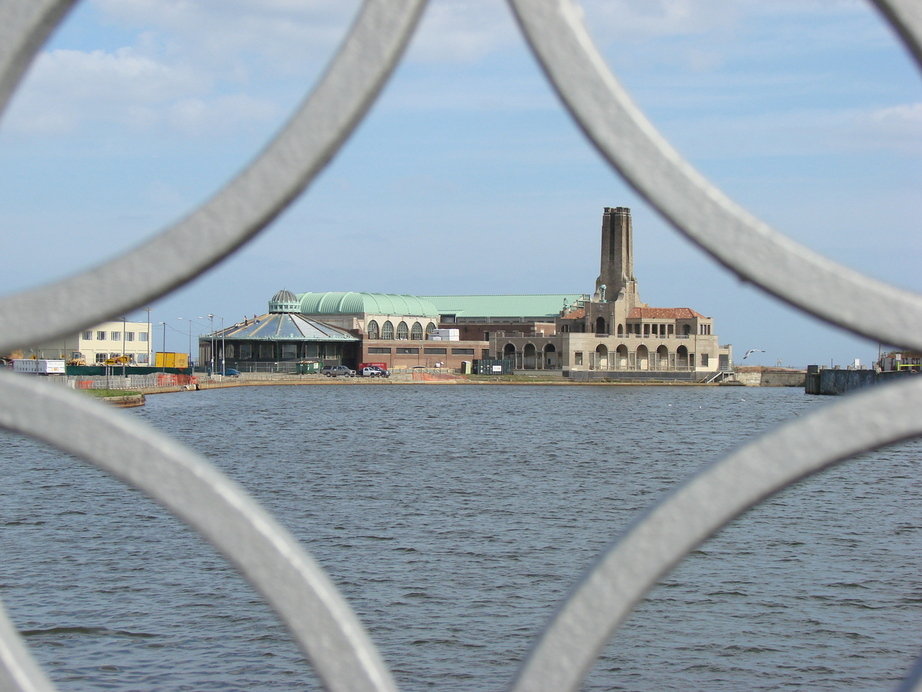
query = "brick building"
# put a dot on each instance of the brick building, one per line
(609, 333)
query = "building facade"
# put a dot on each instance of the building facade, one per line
(610, 332)
(106, 341)
(275, 340)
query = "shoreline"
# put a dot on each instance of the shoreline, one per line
(446, 381)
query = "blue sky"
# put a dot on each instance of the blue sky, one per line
(467, 176)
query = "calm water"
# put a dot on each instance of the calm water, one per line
(454, 519)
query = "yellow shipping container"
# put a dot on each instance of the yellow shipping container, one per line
(171, 360)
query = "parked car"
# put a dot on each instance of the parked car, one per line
(337, 371)
(374, 371)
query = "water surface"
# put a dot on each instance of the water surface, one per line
(454, 520)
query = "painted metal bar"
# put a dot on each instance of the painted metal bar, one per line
(659, 539)
(18, 670)
(746, 246)
(24, 26)
(241, 208)
(217, 508)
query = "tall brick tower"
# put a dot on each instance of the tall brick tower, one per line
(617, 271)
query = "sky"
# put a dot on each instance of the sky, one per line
(467, 176)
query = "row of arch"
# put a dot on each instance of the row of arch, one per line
(622, 358)
(404, 331)
(646, 329)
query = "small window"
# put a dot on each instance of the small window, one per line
(129, 336)
(463, 351)
(246, 351)
(379, 349)
(116, 336)
(142, 358)
(704, 360)
(289, 351)
(578, 358)
(409, 351)
(387, 331)
(435, 351)
(142, 336)
(403, 332)
(429, 329)
(88, 335)
(266, 351)
(100, 336)
(417, 332)
(101, 357)
(372, 329)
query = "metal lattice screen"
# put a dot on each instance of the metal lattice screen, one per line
(290, 580)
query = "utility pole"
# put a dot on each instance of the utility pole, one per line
(211, 321)
(163, 351)
(189, 321)
(222, 347)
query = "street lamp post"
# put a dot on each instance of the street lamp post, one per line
(222, 347)
(123, 346)
(211, 328)
(149, 338)
(189, 322)
(163, 350)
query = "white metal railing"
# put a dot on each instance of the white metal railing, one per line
(290, 580)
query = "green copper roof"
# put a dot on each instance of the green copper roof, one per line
(284, 301)
(546, 305)
(352, 303)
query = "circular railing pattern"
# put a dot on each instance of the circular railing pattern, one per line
(263, 552)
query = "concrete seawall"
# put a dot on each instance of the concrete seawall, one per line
(759, 376)
(829, 381)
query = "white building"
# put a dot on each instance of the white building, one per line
(94, 346)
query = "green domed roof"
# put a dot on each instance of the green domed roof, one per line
(352, 303)
(284, 301)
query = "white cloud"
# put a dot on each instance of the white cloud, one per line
(285, 35)
(65, 89)
(898, 128)
(463, 31)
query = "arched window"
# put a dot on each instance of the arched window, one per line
(403, 332)
(417, 332)
(686, 329)
(601, 357)
(530, 357)
(372, 330)
(620, 330)
(681, 357)
(387, 331)
(600, 326)
(643, 358)
(429, 329)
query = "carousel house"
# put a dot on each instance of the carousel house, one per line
(283, 335)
